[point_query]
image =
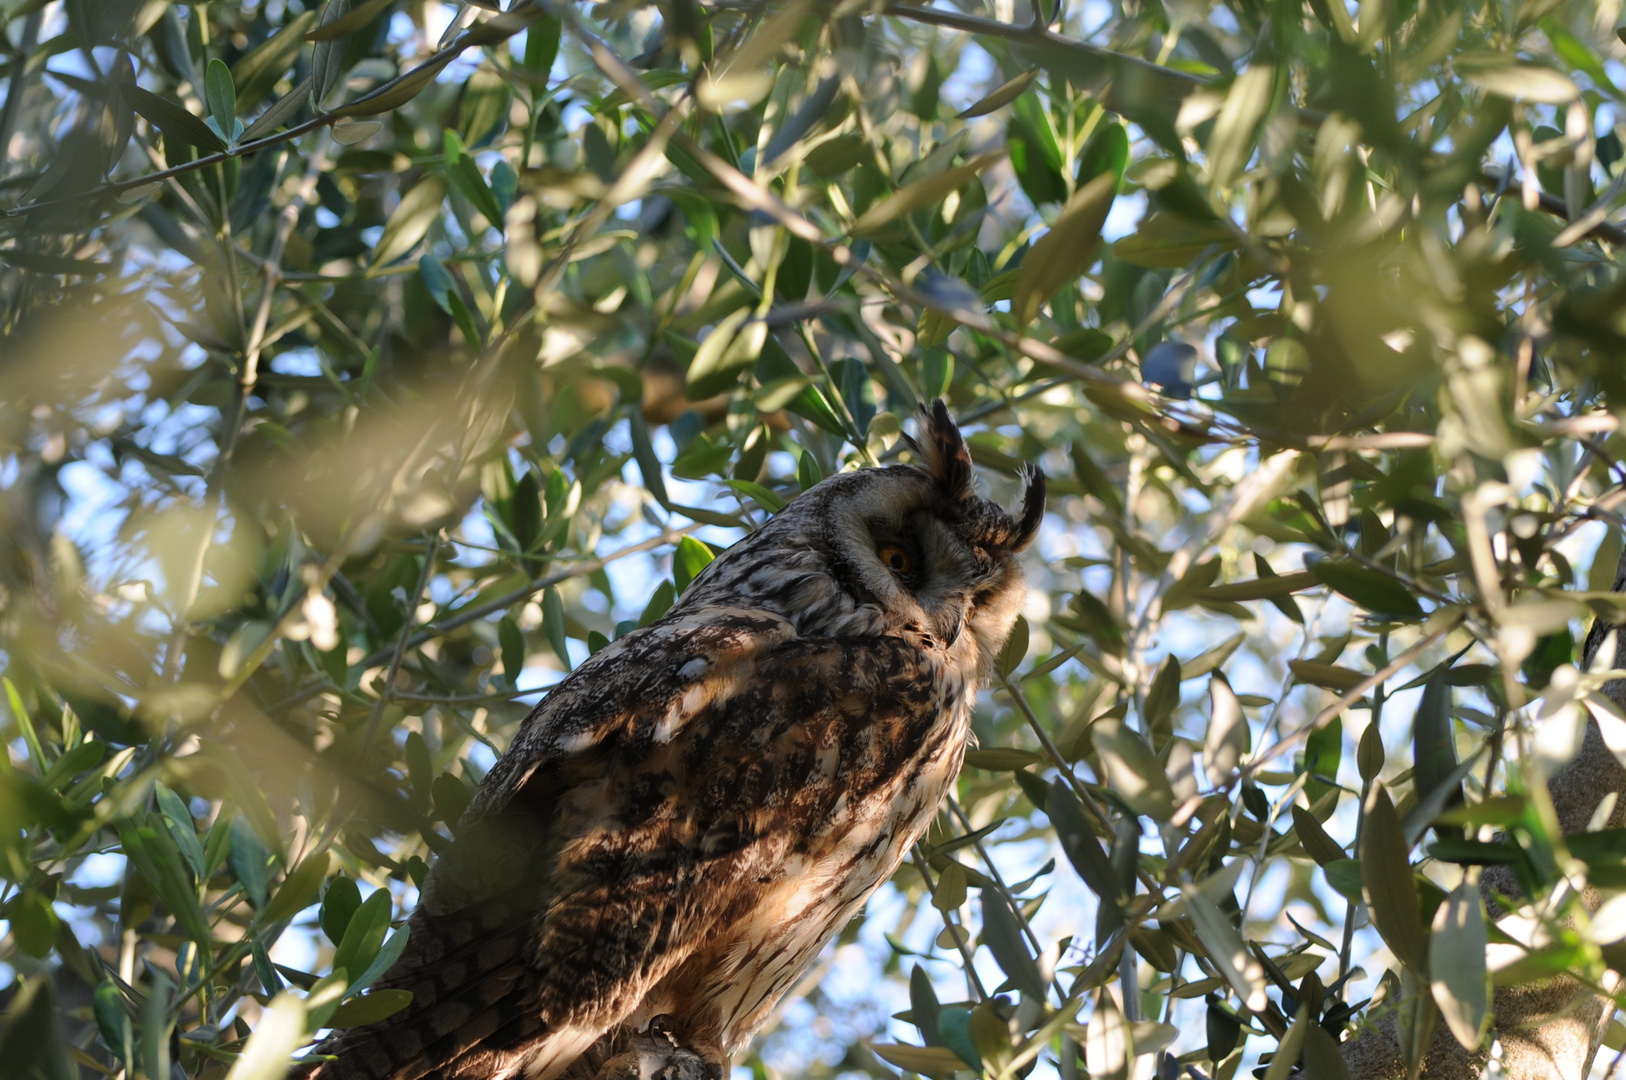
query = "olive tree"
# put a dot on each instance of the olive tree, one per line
(366, 365)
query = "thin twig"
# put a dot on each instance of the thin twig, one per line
(953, 925)
(409, 619)
(1355, 693)
(463, 616)
(517, 18)
(254, 340)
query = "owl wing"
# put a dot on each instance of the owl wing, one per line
(636, 810)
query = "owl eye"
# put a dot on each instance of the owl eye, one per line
(897, 559)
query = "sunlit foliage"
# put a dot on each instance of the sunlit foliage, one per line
(363, 366)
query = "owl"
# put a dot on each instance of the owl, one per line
(686, 819)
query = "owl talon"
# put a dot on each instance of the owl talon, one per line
(656, 1054)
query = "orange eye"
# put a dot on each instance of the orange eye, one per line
(897, 559)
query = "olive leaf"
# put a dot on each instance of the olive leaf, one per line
(1456, 962)
(1062, 253)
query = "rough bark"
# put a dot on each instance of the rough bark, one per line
(1549, 1030)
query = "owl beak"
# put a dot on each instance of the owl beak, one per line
(1027, 522)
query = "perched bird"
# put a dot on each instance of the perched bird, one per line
(685, 820)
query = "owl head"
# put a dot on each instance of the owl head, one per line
(906, 549)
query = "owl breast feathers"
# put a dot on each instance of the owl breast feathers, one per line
(687, 819)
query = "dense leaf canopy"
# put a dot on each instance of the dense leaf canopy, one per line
(363, 366)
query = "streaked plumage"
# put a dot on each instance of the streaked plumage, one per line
(686, 820)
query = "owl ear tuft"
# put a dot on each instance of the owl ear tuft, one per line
(1027, 523)
(943, 451)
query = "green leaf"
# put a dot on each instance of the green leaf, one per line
(248, 796)
(1132, 770)
(992, 1037)
(1228, 737)
(364, 933)
(1015, 649)
(1080, 844)
(250, 862)
(1222, 1027)
(732, 346)
(649, 466)
(1066, 250)
(1524, 82)
(328, 55)
(1108, 1046)
(763, 497)
(836, 156)
(688, 559)
(1106, 155)
(418, 210)
(172, 119)
(386, 958)
(553, 624)
(34, 923)
(1317, 843)
(1210, 659)
(1004, 95)
(1391, 891)
(482, 110)
(1321, 1056)
(1371, 589)
(924, 1006)
(156, 858)
(1162, 698)
(1172, 241)
(659, 603)
(1230, 956)
(113, 1021)
(542, 45)
(339, 906)
(451, 797)
(955, 1026)
(920, 194)
(221, 94)
(256, 74)
(1001, 758)
(1323, 751)
(356, 18)
(298, 890)
(1003, 936)
(370, 1008)
(268, 1052)
(29, 1041)
(1456, 964)
(951, 888)
(512, 645)
(396, 92)
(73, 762)
(1292, 1045)
(1434, 746)
(420, 769)
(182, 829)
(938, 1062)
(465, 177)
(1232, 141)
(1260, 588)
(1330, 676)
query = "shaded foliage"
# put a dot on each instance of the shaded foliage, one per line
(352, 356)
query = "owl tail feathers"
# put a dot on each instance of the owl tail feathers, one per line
(503, 1042)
